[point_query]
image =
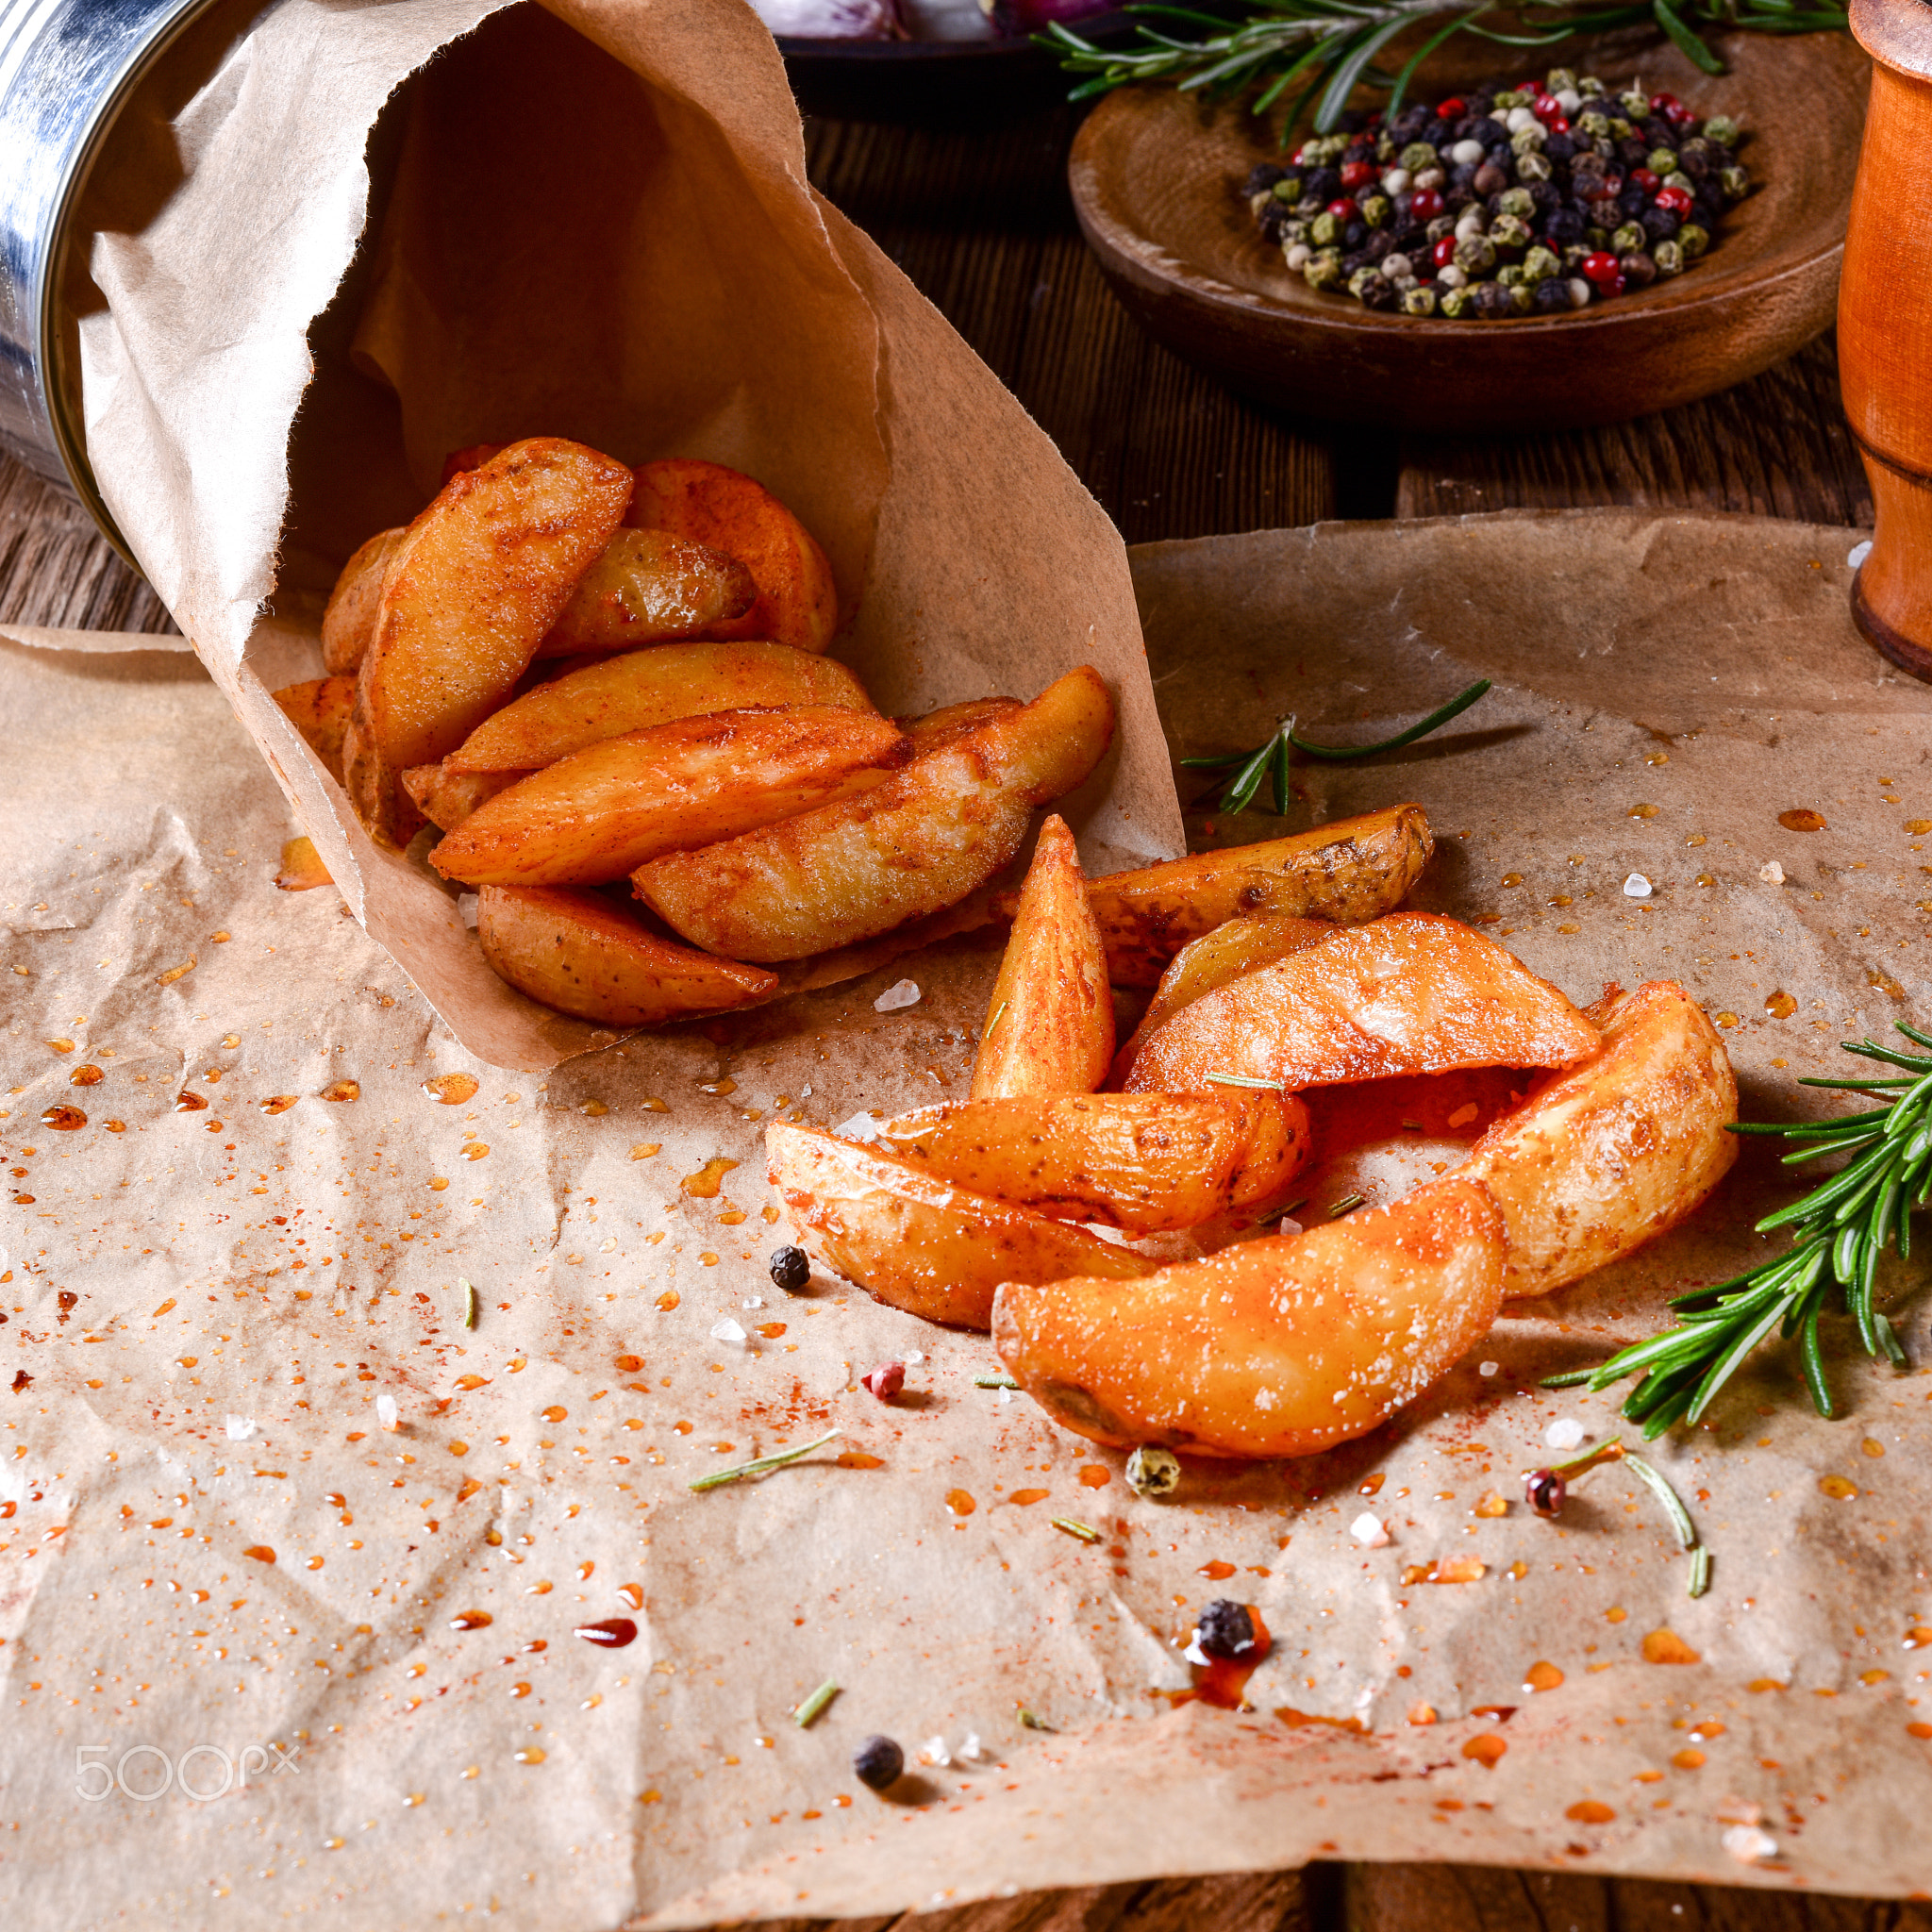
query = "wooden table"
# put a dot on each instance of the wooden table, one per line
(982, 224)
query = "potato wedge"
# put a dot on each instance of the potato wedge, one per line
(349, 621)
(1346, 871)
(1283, 1346)
(1049, 1026)
(1412, 993)
(1144, 1162)
(643, 688)
(606, 811)
(1215, 959)
(1615, 1152)
(704, 503)
(915, 1241)
(953, 721)
(446, 798)
(320, 711)
(922, 840)
(583, 955)
(647, 586)
(473, 587)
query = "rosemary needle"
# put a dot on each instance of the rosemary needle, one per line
(469, 1303)
(761, 1464)
(1084, 1531)
(994, 1382)
(816, 1703)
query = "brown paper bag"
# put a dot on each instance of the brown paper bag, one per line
(400, 230)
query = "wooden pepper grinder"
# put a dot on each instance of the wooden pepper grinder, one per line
(1885, 333)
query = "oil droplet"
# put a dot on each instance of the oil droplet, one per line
(1707, 878)
(470, 1619)
(769, 1214)
(414, 1799)
(315, 1562)
(115, 1126)
(1615, 1615)
(277, 1103)
(1562, 899)
(185, 1101)
(705, 1184)
(585, 1569)
(858, 1458)
(1094, 1477)
(1026, 1498)
(519, 1690)
(63, 1120)
(1695, 838)
(1372, 1485)
(1642, 811)
(1764, 1684)
(1422, 1714)
(1780, 1006)
(960, 1503)
(1801, 818)
(644, 1149)
(62, 1045)
(771, 1330)
(467, 1382)
(596, 1110)
(471, 1770)
(470, 1488)
(1667, 1647)
(1460, 1569)
(539, 1590)
(451, 1090)
(1706, 1728)
(1917, 826)
(1874, 1677)
(1727, 1019)
(475, 1150)
(1512, 878)
(438, 1183)
(1687, 1760)
(555, 1413)
(530, 1754)
(725, 1086)
(1588, 1811)
(610, 1633)
(86, 1076)
(1918, 1637)
(668, 1300)
(259, 1553)
(1217, 1569)
(1836, 1486)
(1541, 1675)
(633, 1593)
(1486, 1750)
(1919, 1730)
(1491, 1505)
(628, 1364)
(1870, 1447)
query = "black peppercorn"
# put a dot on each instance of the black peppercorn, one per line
(1489, 179)
(1323, 184)
(878, 1763)
(1544, 1491)
(1491, 301)
(1354, 235)
(1660, 223)
(1379, 245)
(1565, 228)
(1262, 177)
(791, 1269)
(1552, 297)
(1379, 294)
(1226, 1629)
(1559, 147)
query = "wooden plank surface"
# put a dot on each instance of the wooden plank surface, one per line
(982, 224)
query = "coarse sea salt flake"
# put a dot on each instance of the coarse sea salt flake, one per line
(466, 910)
(1487, 1368)
(1772, 872)
(1290, 1224)
(1370, 1531)
(1564, 1433)
(1636, 887)
(905, 993)
(727, 1330)
(914, 1355)
(1193, 1652)
(240, 1428)
(972, 1750)
(387, 1414)
(861, 1126)
(1748, 1844)
(936, 1753)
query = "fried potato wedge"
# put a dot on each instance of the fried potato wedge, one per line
(320, 711)
(349, 621)
(606, 811)
(647, 586)
(1615, 1152)
(1215, 959)
(1049, 1024)
(917, 1242)
(797, 602)
(1347, 870)
(953, 721)
(919, 843)
(582, 954)
(645, 688)
(1412, 993)
(1144, 1162)
(1283, 1346)
(472, 590)
(446, 798)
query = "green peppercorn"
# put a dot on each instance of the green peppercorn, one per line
(1440, 226)
(1510, 274)
(1736, 183)
(1560, 80)
(1540, 264)
(1475, 255)
(1377, 210)
(1533, 166)
(1592, 122)
(1325, 230)
(1361, 278)
(1288, 188)
(1385, 149)
(1662, 160)
(1417, 156)
(1456, 303)
(1695, 146)
(1521, 299)
(1635, 104)
(1508, 232)
(1677, 178)
(1153, 1470)
(1322, 270)
(1620, 129)
(1421, 300)
(1629, 236)
(1693, 239)
(1669, 258)
(1292, 232)
(1519, 202)
(1723, 129)
(1573, 256)
(1597, 237)
(1514, 97)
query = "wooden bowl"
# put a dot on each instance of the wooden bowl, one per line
(1156, 178)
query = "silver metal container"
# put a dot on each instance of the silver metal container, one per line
(67, 69)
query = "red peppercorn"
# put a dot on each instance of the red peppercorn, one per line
(1601, 268)
(1659, 102)
(1452, 109)
(887, 1380)
(1547, 107)
(1560, 126)
(1543, 1488)
(1615, 286)
(1425, 204)
(1443, 253)
(1358, 173)
(1644, 178)
(1344, 209)
(1677, 199)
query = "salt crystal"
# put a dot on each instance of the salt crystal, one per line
(1564, 1433)
(1370, 1531)
(936, 1753)
(387, 1414)
(241, 1428)
(1006, 1396)
(861, 1126)
(727, 1330)
(1193, 1652)
(757, 1301)
(1773, 874)
(1858, 553)
(906, 994)
(1487, 1368)
(914, 1355)
(466, 910)
(971, 1749)
(1290, 1224)
(805, 1091)
(1636, 887)
(1748, 1844)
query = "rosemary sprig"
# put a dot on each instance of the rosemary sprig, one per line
(1300, 50)
(1842, 1227)
(1271, 761)
(815, 1704)
(761, 1464)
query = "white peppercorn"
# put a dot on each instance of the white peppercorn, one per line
(1297, 255)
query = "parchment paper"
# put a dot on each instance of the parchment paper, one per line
(291, 1268)
(396, 228)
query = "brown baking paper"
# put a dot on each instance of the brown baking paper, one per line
(299, 1594)
(399, 229)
